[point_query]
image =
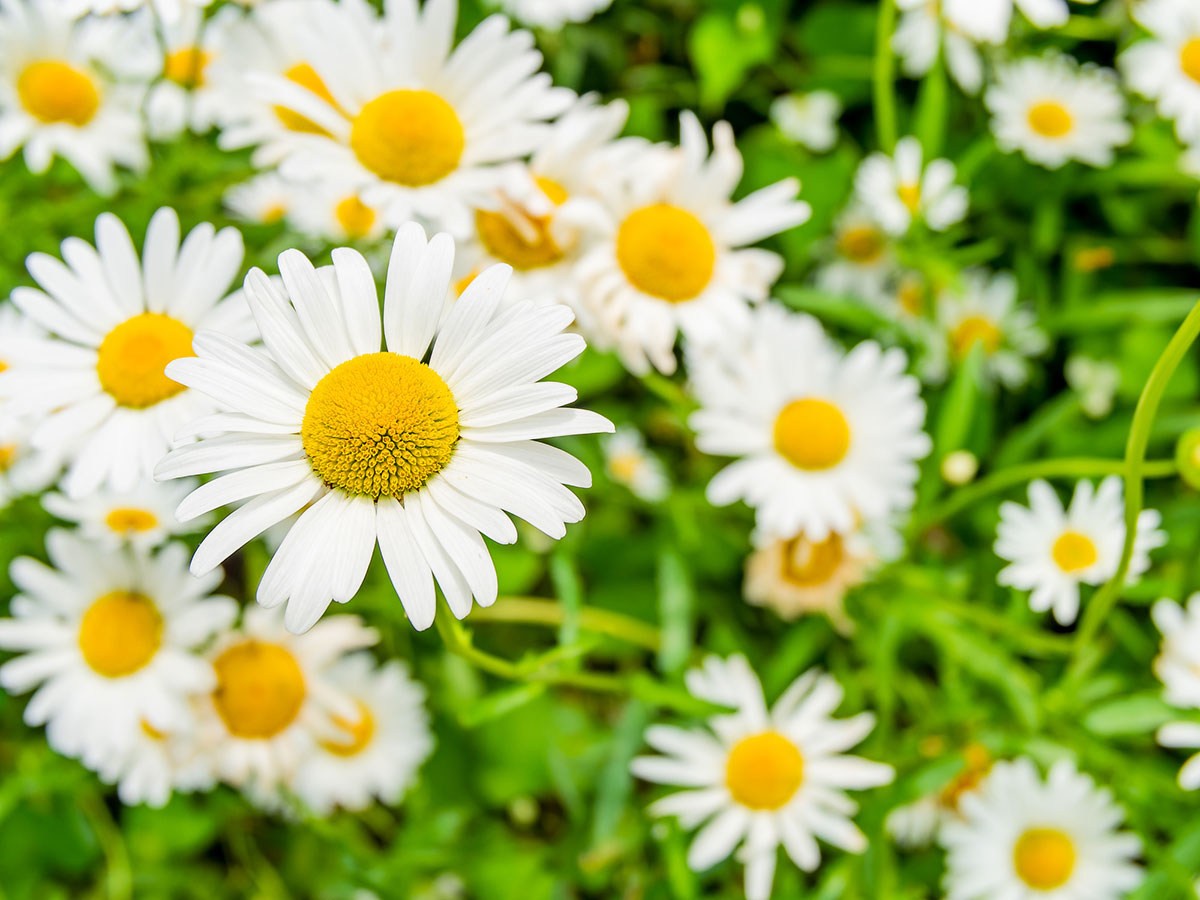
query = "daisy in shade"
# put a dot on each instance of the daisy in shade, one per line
(1166, 66)
(376, 752)
(808, 119)
(627, 461)
(97, 383)
(422, 447)
(265, 199)
(157, 764)
(1022, 838)
(824, 439)
(1053, 110)
(1053, 551)
(763, 778)
(143, 517)
(553, 14)
(901, 189)
(863, 260)
(109, 640)
(334, 213)
(923, 31)
(919, 823)
(417, 124)
(1178, 668)
(677, 257)
(72, 88)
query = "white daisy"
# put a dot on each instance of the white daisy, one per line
(809, 119)
(989, 20)
(335, 213)
(677, 257)
(919, 823)
(265, 199)
(23, 470)
(863, 261)
(168, 11)
(71, 88)
(922, 32)
(157, 764)
(1053, 551)
(1166, 66)
(1178, 668)
(825, 438)
(143, 517)
(98, 385)
(109, 640)
(901, 189)
(628, 462)
(1053, 110)
(1022, 838)
(1096, 381)
(304, 417)
(553, 14)
(763, 778)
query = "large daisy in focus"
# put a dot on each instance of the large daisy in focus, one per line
(1166, 66)
(421, 447)
(901, 189)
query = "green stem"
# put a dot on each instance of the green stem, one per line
(535, 611)
(884, 74)
(118, 875)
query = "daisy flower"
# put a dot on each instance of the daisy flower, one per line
(923, 32)
(919, 823)
(61, 92)
(265, 199)
(1166, 66)
(421, 447)
(1022, 838)
(808, 119)
(677, 257)
(553, 14)
(1096, 381)
(155, 765)
(628, 462)
(110, 640)
(23, 470)
(1053, 551)
(989, 20)
(1178, 668)
(901, 189)
(1053, 110)
(97, 385)
(863, 260)
(761, 778)
(143, 517)
(824, 438)
(334, 213)
(168, 11)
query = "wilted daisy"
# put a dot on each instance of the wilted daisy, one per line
(1178, 668)
(144, 516)
(901, 189)
(628, 462)
(553, 14)
(1166, 66)
(922, 33)
(1053, 551)
(809, 119)
(109, 640)
(863, 260)
(1022, 838)
(677, 257)
(334, 212)
(1053, 110)
(62, 94)
(97, 386)
(265, 199)
(825, 439)
(763, 778)
(919, 823)
(421, 447)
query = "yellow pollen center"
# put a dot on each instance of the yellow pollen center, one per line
(273, 214)
(465, 282)
(764, 771)
(120, 633)
(355, 217)
(863, 244)
(151, 732)
(186, 66)
(132, 357)
(812, 434)
(806, 564)
(911, 296)
(666, 252)
(1189, 59)
(379, 425)
(625, 466)
(358, 733)
(975, 330)
(53, 91)
(260, 689)
(413, 138)
(306, 76)
(1044, 858)
(1050, 119)
(8, 455)
(130, 520)
(518, 238)
(910, 196)
(1073, 551)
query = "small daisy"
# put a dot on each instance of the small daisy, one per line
(303, 419)
(1053, 551)
(808, 119)
(334, 213)
(1178, 668)
(553, 14)
(1096, 381)
(919, 823)
(677, 258)
(922, 32)
(265, 199)
(143, 517)
(628, 462)
(989, 20)
(901, 189)
(863, 259)
(762, 778)
(1022, 838)
(156, 765)
(825, 438)
(1053, 110)
(1166, 66)
(109, 640)
(24, 470)
(98, 385)
(60, 93)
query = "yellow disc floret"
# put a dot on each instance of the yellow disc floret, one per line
(1050, 119)
(306, 76)
(1189, 59)
(260, 689)
(975, 330)
(356, 218)
(130, 520)
(358, 733)
(120, 632)
(812, 434)
(862, 244)
(764, 771)
(666, 252)
(1044, 858)
(379, 425)
(413, 138)
(1074, 551)
(807, 564)
(186, 66)
(54, 92)
(132, 357)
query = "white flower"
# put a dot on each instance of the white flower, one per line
(262, 200)
(919, 823)
(1052, 551)
(1095, 381)
(23, 470)
(824, 438)
(97, 385)
(143, 517)
(1178, 668)
(628, 462)
(988, 20)
(156, 764)
(1053, 110)
(110, 641)
(1022, 838)
(553, 14)
(1166, 66)
(762, 778)
(900, 189)
(919, 35)
(863, 259)
(168, 11)
(808, 119)
(677, 258)
(334, 212)
(305, 421)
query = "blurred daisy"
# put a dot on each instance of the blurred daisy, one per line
(628, 462)
(825, 438)
(1053, 551)
(677, 258)
(23, 469)
(989, 20)
(863, 259)
(143, 517)
(304, 417)
(335, 213)
(761, 778)
(1022, 838)
(808, 119)
(1178, 668)
(901, 189)
(1095, 381)
(1053, 110)
(918, 824)
(922, 33)
(109, 640)
(265, 199)
(155, 765)
(553, 14)
(98, 385)
(1166, 66)
(71, 88)
(168, 11)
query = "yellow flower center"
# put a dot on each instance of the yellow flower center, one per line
(120, 633)
(306, 76)
(764, 771)
(1044, 858)
(186, 67)
(260, 689)
(812, 434)
(413, 138)
(1050, 119)
(53, 91)
(911, 296)
(523, 244)
(130, 519)
(358, 733)
(806, 564)
(975, 330)
(273, 214)
(625, 466)
(8, 455)
(1073, 551)
(151, 732)
(666, 252)
(910, 196)
(379, 425)
(465, 282)
(1189, 59)
(863, 244)
(355, 217)
(132, 357)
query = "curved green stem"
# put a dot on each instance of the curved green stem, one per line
(884, 74)
(535, 611)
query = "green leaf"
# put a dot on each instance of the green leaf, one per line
(1138, 714)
